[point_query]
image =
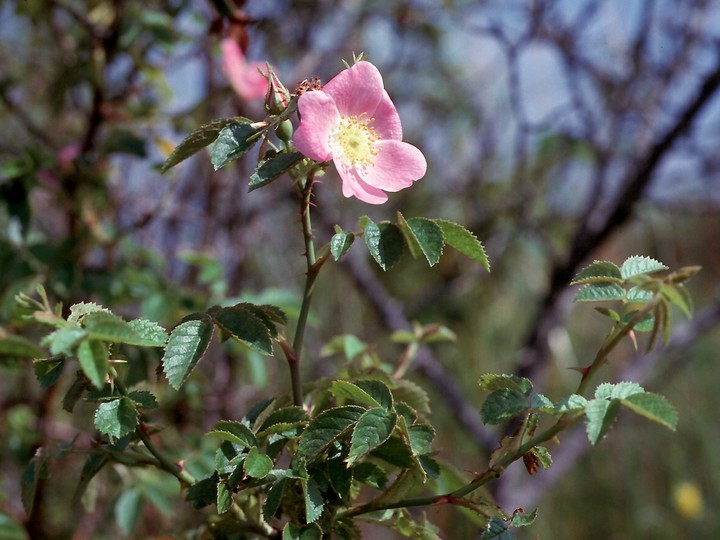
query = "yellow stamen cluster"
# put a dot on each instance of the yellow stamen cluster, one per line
(353, 141)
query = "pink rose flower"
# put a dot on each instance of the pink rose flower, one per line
(353, 122)
(243, 76)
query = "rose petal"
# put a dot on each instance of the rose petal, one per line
(318, 118)
(244, 77)
(356, 90)
(354, 186)
(387, 120)
(397, 166)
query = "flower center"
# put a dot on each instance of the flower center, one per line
(353, 141)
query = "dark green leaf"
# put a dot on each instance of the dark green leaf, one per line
(48, 370)
(598, 272)
(370, 474)
(93, 357)
(378, 390)
(412, 395)
(340, 243)
(385, 243)
(203, 492)
(282, 420)
(233, 431)
(36, 469)
(185, 347)
(272, 168)
(144, 399)
(245, 327)
(116, 418)
(233, 141)
(502, 405)
(464, 241)
(496, 529)
(373, 428)
(396, 451)
(92, 466)
(291, 531)
(274, 498)
(326, 428)
(429, 237)
(197, 140)
(491, 382)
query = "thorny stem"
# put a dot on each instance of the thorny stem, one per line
(564, 421)
(163, 462)
(313, 268)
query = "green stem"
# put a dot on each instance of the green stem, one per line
(310, 277)
(163, 462)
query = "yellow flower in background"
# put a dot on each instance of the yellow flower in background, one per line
(688, 500)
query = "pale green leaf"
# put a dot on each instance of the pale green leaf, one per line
(598, 272)
(600, 293)
(638, 265)
(257, 464)
(127, 510)
(185, 347)
(600, 415)
(679, 296)
(464, 241)
(653, 407)
(619, 390)
(116, 418)
(93, 357)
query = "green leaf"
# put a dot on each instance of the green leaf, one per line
(351, 391)
(272, 167)
(543, 456)
(429, 236)
(600, 293)
(116, 418)
(257, 464)
(326, 428)
(412, 395)
(233, 431)
(19, 347)
(292, 531)
(340, 243)
(619, 390)
(64, 340)
(143, 399)
(637, 265)
(679, 297)
(127, 510)
(185, 347)
(464, 241)
(492, 381)
(75, 392)
(421, 436)
(378, 390)
(79, 310)
(93, 357)
(369, 474)
(223, 497)
(274, 498)
(48, 370)
(203, 492)
(639, 295)
(573, 402)
(197, 140)
(373, 428)
(502, 405)
(396, 451)
(92, 466)
(36, 469)
(314, 503)
(282, 420)
(233, 141)
(106, 326)
(653, 407)
(385, 243)
(598, 272)
(245, 327)
(347, 344)
(410, 241)
(496, 529)
(150, 333)
(522, 519)
(600, 415)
